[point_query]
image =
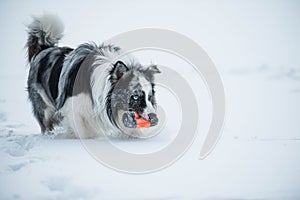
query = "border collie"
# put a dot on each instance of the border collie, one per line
(90, 90)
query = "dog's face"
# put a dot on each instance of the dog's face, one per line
(132, 92)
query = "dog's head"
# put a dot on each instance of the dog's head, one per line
(132, 93)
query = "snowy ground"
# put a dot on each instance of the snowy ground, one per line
(257, 157)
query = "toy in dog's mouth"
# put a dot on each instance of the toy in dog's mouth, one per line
(132, 119)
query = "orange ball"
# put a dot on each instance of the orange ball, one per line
(141, 122)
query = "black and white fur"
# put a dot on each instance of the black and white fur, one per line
(90, 90)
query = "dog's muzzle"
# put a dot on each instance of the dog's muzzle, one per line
(132, 119)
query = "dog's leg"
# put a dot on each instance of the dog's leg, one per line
(38, 106)
(43, 110)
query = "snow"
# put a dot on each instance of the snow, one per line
(258, 155)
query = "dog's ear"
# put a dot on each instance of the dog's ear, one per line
(119, 69)
(152, 69)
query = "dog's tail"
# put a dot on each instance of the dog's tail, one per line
(45, 31)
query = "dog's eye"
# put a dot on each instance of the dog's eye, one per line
(135, 97)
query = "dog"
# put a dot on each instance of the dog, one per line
(88, 91)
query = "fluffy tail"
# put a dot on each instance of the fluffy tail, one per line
(45, 31)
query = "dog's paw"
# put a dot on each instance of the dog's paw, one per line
(129, 119)
(153, 119)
